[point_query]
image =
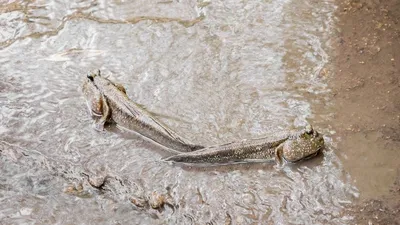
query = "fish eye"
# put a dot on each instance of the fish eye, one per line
(309, 129)
(90, 76)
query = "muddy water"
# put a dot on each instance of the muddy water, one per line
(214, 71)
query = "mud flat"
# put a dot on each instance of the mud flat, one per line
(366, 90)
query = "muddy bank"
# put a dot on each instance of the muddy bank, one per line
(367, 104)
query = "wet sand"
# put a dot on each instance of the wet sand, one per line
(366, 90)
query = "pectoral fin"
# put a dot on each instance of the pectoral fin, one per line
(279, 154)
(120, 87)
(99, 124)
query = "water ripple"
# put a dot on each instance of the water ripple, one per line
(214, 71)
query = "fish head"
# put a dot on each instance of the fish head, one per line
(106, 85)
(303, 146)
(92, 94)
(98, 80)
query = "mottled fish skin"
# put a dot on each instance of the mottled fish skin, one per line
(306, 145)
(231, 152)
(291, 148)
(101, 94)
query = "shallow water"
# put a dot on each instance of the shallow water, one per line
(214, 71)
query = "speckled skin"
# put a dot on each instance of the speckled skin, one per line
(291, 148)
(109, 102)
(304, 146)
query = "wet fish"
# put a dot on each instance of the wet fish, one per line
(108, 102)
(291, 148)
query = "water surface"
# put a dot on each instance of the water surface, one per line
(214, 71)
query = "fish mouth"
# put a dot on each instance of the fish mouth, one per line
(312, 155)
(315, 153)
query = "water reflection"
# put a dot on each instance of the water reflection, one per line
(224, 70)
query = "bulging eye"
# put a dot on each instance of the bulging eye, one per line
(309, 129)
(90, 76)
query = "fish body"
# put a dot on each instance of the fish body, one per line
(290, 148)
(109, 103)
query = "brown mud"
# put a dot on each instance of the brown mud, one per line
(366, 90)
